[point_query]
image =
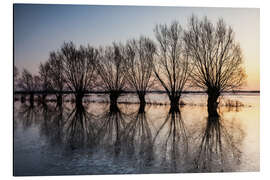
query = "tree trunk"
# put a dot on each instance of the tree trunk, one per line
(142, 108)
(79, 98)
(59, 99)
(212, 104)
(174, 102)
(22, 98)
(141, 96)
(44, 98)
(31, 99)
(113, 97)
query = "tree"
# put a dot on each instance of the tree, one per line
(139, 65)
(56, 75)
(112, 71)
(79, 68)
(171, 66)
(29, 83)
(215, 56)
(16, 75)
(44, 79)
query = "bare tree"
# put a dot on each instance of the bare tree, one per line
(56, 75)
(172, 66)
(29, 83)
(79, 68)
(44, 79)
(215, 56)
(139, 65)
(16, 75)
(112, 71)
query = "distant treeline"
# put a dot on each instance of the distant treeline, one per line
(126, 92)
(203, 56)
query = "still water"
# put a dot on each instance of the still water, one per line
(98, 139)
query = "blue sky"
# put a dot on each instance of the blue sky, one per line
(39, 29)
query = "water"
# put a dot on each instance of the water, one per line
(94, 139)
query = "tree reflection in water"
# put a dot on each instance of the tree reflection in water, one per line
(111, 131)
(129, 140)
(174, 142)
(28, 115)
(219, 146)
(80, 128)
(139, 140)
(52, 124)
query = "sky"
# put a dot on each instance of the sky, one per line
(40, 29)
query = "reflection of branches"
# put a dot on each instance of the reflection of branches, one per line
(217, 150)
(111, 130)
(79, 128)
(139, 139)
(28, 114)
(52, 125)
(175, 144)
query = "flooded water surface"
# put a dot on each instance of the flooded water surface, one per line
(99, 139)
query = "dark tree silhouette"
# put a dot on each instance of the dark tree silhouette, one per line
(56, 75)
(139, 66)
(79, 68)
(216, 57)
(29, 83)
(112, 71)
(171, 66)
(16, 75)
(44, 79)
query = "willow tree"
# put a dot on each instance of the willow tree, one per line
(16, 75)
(215, 56)
(44, 79)
(79, 68)
(139, 66)
(112, 71)
(29, 83)
(56, 75)
(171, 66)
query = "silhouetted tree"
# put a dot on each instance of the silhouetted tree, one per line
(79, 68)
(16, 75)
(216, 57)
(112, 71)
(139, 64)
(44, 79)
(29, 83)
(56, 75)
(171, 66)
